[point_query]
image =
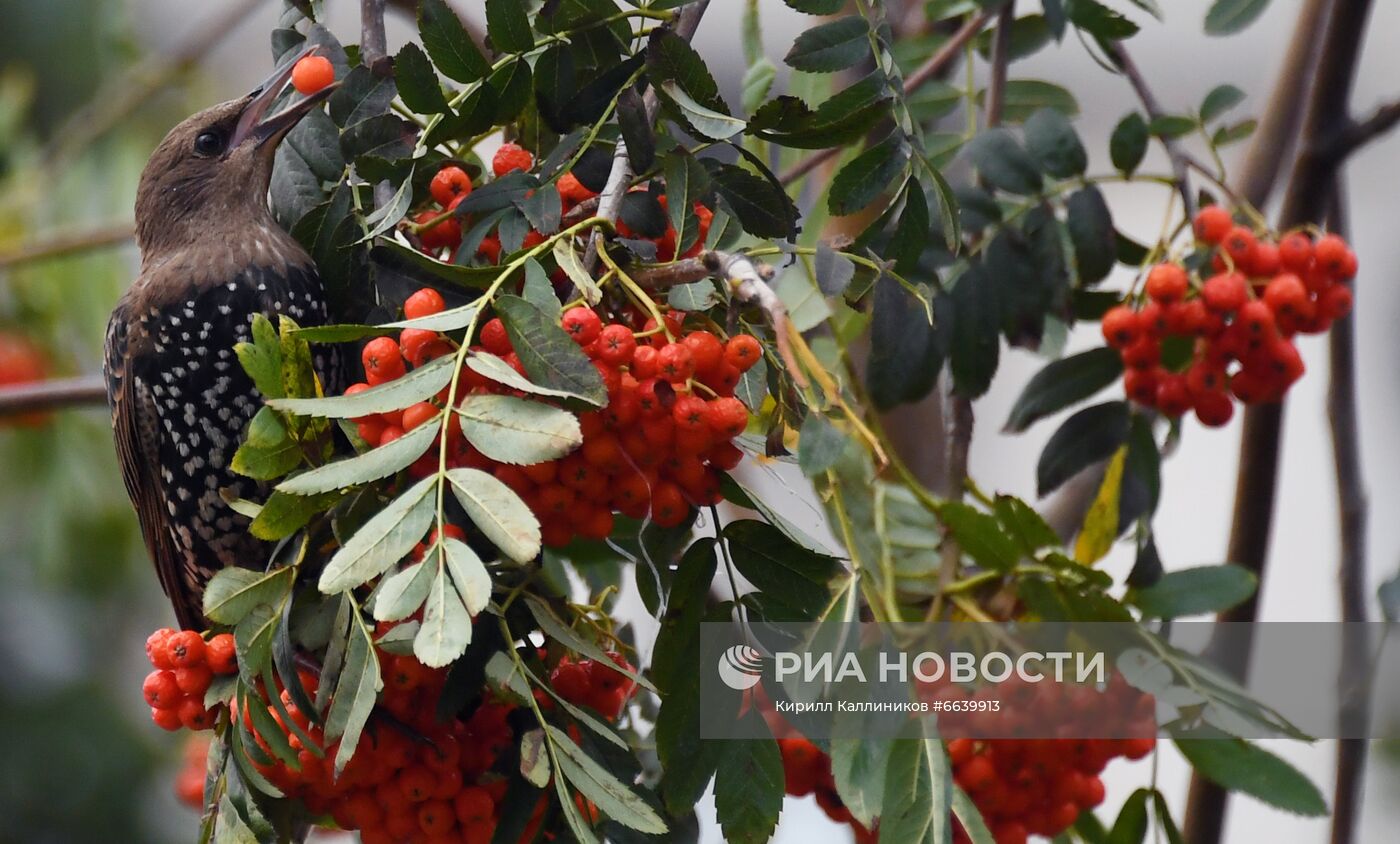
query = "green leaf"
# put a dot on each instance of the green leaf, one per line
(1098, 20)
(707, 122)
(831, 46)
(568, 261)
(283, 515)
(749, 790)
(233, 592)
(469, 575)
(1226, 17)
(1028, 527)
(1195, 591)
(549, 355)
(1001, 160)
(981, 536)
(1221, 99)
(509, 26)
(868, 175)
(761, 208)
(362, 94)
(672, 58)
(262, 358)
(380, 462)
(817, 7)
(918, 793)
(757, 82)
(1131, 824)
(1091, 232)
(518, 431)
(448, 42)
(975, 349)
(386, 216)
(1052, 141)
(447, 628)
(696, 296)
(492, 367)
(420, 384)
(498, 512)
(1240, 766)
(905, 357)
(1062, 383)
(613, 799)
(268, 451)
(402, 593)
(1226, 135)
(820, 445)
(1091, 435)
(784, 570)
(417, 82)
(382, 541)
(1171, 126)
(534, 758)
(970, 817)
(858, 767)
(686, 182)
(1023, 97)
(355, 693)
(1128, 144)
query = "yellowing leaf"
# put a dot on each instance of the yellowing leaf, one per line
(1101, 522)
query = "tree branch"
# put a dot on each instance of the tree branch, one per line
(951, 49)
(1256, 485)
(61, 246)
(1353, 509)
(18, 399)
(1359, 133)
(374, 46)
(1153, 108)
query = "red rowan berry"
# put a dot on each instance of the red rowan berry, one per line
(645, 363)
(185, 648)
(1212, 223)
(1140, 385)
(449, 184)
(617, 346)
(675, 362)
(1238, 244)
(743, 351)
(1120, 327)
(1295, 252)
(389, 433)
(444, 234)
(473, 804)
(705, 349)
(1263, 260)
(383, 360)
(583, 325)
(572, 191)
(419, 414)
(1285, 294)
(166, 719)
(725, 456)
(1225, 293)
(155, 647)
(510, 158)
(221, 654)
(1213, 408)
(425, 302)
(1167, 283)
(668, 506)
(311, 74)
(160, 689)
(494, 338)
(1335, 302)
(194, 715)
(194, 679)
(1256, 318)
(490, 249)
(689, 413)
(727, 417)
(1143, 354)
(1173, 396)
(1330, 254)
(416, 783)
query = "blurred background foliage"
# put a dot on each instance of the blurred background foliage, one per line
(75, 596)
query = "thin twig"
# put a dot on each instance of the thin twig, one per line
(1153, 108)
(951, 49)
(17, 399)
(62, 246)
(610, 199)
(1361, 132)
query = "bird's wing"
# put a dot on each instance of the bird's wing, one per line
(134, 422)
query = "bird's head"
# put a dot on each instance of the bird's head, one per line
(212, 171)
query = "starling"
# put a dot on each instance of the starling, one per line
(212, 257)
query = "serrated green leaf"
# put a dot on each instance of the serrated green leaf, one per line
(548, 354)
(262, 358)
(379, 462)
(518, 431)
(447, 627)
(1240, 766)
(402, 593)
(831, 46)
(1128, 144)
(267, 451)
(762, 209)
(417, 82)
(498, 511)
(355, 693)
(693, 297)
(981, 536)
(448, 42)
(420, 384)
(749, 790)
(780, 567)
(233, 592)
(612, 798)
(868, 175)
(918, 793)
(1063, 383)
(469, 575)
(382, 541)
(1194, 591)
(1098, 20)
(490, 366)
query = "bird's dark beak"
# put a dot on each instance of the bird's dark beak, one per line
(256, 125)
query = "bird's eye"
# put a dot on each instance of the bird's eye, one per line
(209, 143)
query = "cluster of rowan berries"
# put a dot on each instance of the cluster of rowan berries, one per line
(655, 451)
(185, 665)
(21, 362)
(807, 770)
(1202, 344)
(594, 684)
